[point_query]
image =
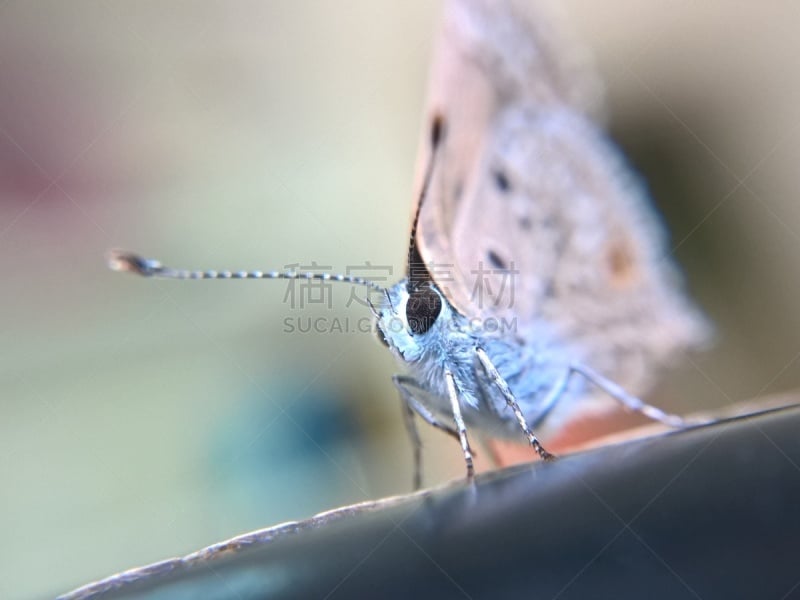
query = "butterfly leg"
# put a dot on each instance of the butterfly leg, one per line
(416, 442)
(407, 386)
(459, 419)
(498, 380)
(632, 402)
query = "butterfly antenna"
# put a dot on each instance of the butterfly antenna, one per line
(417, 272)
(388, 299)
(372, 308)
(120, 260)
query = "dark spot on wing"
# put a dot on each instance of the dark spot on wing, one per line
(458, 190)
(495, 259)
(437, 130)
(525, 223)
(501, 181)
(621, 262)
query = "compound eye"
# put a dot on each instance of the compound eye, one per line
(422, 309)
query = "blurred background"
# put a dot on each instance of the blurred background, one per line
(144, 419)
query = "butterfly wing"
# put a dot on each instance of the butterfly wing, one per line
(532, 214)
(472, 79)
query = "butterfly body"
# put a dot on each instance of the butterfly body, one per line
(541, 221)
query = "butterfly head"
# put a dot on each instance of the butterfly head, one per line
(408, 319)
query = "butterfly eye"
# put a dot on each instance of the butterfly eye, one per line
(422, 309)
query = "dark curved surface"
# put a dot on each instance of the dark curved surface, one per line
(712, 512)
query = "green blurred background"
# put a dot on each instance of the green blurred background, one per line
(143, 419)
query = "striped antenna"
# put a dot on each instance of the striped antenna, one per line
(120, 260)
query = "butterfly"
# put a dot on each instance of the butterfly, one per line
(538, 289)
